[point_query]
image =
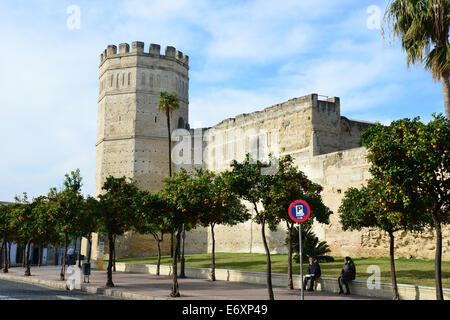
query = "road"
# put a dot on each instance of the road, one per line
(15, 290)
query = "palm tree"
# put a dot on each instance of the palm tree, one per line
(168, 102)
(423, 26)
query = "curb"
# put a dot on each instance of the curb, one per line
(61, 285)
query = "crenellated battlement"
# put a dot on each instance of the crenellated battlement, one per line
(138, 48)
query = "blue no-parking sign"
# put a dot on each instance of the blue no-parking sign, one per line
(299, 211)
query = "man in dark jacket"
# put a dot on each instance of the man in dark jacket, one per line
(312, 273)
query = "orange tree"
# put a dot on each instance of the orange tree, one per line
(6, 231)
(217, 204)
(25, 222)
(150, 211)
(46, 232)
(65, 208)
(248, 181)
(379, 205)
(117, 213)
(12, 229)
(177, 193)
(415, 157)
(87, 219)
(287, 185)
(90, 219)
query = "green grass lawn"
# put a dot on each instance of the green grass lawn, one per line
(409, 271)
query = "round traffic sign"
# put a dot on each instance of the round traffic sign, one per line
(299, 211)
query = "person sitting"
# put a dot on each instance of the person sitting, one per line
(312, 273)
(348, 274)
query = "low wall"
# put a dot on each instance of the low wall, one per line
(358, 287)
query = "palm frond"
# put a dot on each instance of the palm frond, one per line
(423, 27)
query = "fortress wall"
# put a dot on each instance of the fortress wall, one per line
(287, 125)
(350, 132)
(335, 171)
(244, 237)
(332, 132)
(283, 128)
(326, 122)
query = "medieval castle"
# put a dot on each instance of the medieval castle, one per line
(132, 142)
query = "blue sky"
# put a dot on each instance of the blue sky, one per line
(244, 56)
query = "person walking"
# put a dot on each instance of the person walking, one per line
(70, 255)
(313, 273)
(348, 273)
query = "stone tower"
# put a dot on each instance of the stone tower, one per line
(131, 131)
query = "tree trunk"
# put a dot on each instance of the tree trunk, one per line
(90, 248)
(175, 290)
(40, 256)
(114, 255)
(290, 281)
(171, 244)
(24, 250)
(178, 250)
(269, 264)
(1, 250)
(79, 254)
(213, 255)
(5, 255)
(63, 267)
(158, 243)
(393, 273)
(182, 274)
(109, 282)
(27, 263)
(170, 142)
(9, 254)
(446, 89)
(438, 258)
(158, 265)
(170, 170)
(74, 259)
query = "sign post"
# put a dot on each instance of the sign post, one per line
(301, 259)
(299, 211)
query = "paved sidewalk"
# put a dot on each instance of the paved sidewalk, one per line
(148, 287)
